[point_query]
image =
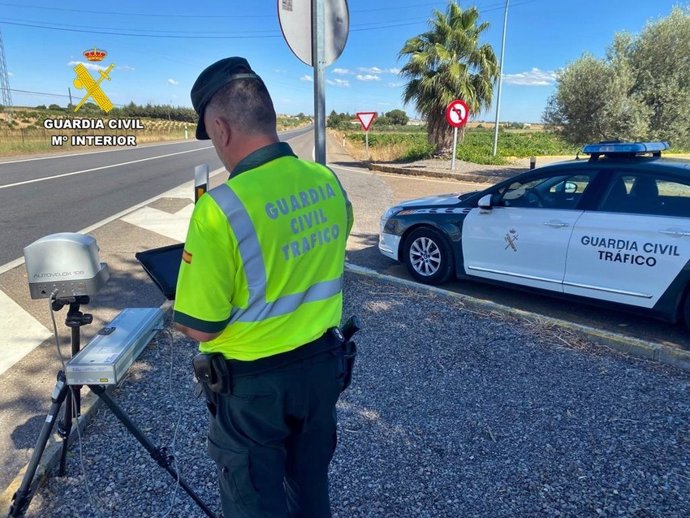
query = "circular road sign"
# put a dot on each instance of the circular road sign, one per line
(457, 113)
(295, 22)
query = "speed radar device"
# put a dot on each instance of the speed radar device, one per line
(64, 265)
(65, 268)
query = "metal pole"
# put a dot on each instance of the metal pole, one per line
(366, 140)
(500, 79)
(318, 46)
(455, 146)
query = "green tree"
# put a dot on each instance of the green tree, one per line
(90, 108)
(639, 91)
(333, 120)
(593, 102)
(397, 117)
(339, 120)
(661, 62)
(445, 63)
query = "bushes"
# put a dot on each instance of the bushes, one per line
(476, 146)
(516, 144)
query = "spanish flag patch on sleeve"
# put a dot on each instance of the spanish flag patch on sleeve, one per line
(186, 257)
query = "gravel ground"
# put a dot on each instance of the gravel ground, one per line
(451, 413)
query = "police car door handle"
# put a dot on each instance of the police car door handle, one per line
(555, 224)
(675, 233)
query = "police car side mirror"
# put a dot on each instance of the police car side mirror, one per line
(570, 188)
(485, 202)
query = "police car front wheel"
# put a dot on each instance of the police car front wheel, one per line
(428, 256)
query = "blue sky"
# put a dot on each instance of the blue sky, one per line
(159, 47)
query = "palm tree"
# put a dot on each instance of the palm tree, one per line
(447, 63)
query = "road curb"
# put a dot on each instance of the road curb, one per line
(460, 177)
(652, 351)
(90, 404)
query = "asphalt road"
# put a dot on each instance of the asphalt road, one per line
(67, 193)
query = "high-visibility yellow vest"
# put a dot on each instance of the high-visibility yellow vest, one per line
(264, 256)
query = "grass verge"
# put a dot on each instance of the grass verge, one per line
(34, 140)
(475, 147)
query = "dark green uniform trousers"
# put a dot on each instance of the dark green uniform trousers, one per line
(274, 436)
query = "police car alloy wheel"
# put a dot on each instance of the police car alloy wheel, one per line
(428, 256)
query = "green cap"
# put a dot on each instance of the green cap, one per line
(212, 79)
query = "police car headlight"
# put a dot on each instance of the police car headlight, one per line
(390, 212)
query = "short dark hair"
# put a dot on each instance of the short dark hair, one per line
(247, 106)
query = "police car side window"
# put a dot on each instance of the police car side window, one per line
(648, 194)
(552, 192)
(674, 197)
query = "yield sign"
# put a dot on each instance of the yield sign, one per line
(457, 113)
(365, 119)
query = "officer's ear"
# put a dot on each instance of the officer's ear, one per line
(223, 131)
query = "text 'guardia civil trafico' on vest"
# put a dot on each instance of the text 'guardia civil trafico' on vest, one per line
(315, 219)
(299, 200)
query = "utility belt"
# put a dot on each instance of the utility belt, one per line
(216, 374)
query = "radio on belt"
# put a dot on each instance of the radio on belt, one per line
(64, 264)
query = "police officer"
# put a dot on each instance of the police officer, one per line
(260, 288)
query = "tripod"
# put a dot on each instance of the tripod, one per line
(74, 320)
(64, 393)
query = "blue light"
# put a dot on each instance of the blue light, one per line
(612, 148)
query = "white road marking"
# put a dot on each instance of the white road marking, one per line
(35, 180)
(169, 225)
(86, 153)
(20, 332)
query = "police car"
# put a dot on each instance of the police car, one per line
(614, 228)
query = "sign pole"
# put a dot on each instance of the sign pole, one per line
(455, 145)
(366, 142)
(500, 80)
(318, 21)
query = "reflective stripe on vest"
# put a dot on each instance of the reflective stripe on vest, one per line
(258, 308)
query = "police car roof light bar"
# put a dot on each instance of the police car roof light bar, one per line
(618, 148)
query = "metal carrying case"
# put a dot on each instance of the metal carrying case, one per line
(105, 360)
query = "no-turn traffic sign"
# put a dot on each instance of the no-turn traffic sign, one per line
(457, 113)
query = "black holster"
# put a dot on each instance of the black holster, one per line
(349, 355)
(349, 349)
(212, 370)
